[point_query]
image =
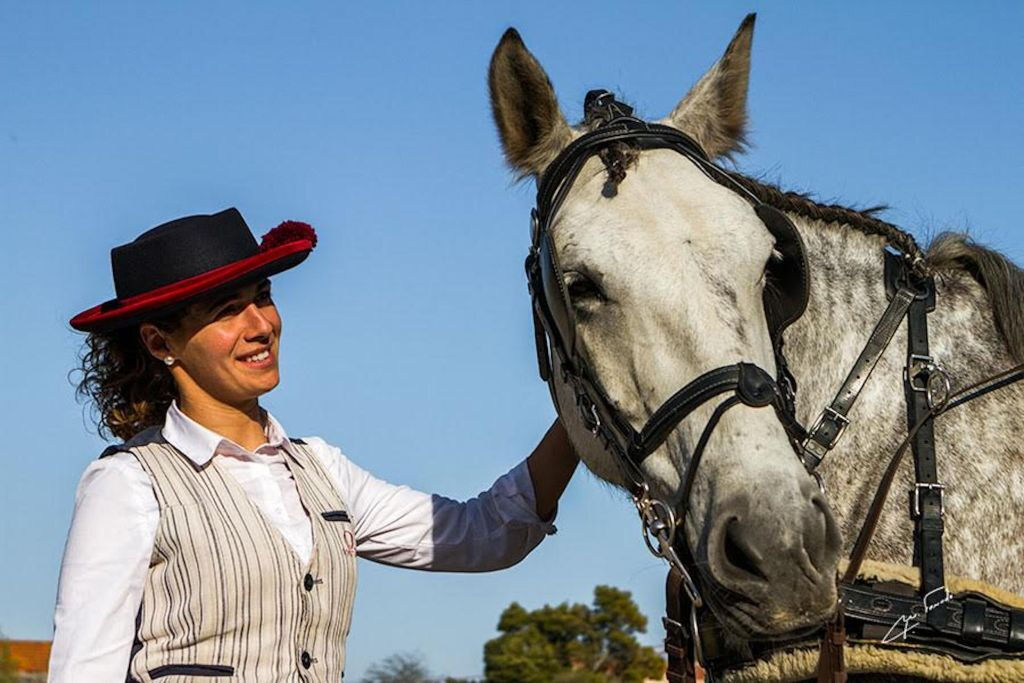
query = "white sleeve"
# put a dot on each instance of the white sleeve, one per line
(103, 571)
(399, 526)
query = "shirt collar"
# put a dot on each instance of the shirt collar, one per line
(200, 444)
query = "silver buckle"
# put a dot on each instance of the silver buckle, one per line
(916, 366)
(831, 414)
(596, 420)
(930, 487)
(588, 412)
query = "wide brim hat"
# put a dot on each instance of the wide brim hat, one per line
(166, 268)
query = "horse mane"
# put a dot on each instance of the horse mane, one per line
(617, 158)
(1002, 280)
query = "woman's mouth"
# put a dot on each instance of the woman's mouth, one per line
(259, 360)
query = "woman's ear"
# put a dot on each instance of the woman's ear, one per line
(155, 341)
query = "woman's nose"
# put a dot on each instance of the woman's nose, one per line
(258, 321)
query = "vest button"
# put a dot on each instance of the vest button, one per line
(308, 582)
(306, 660)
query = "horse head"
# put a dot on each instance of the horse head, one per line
(664, 270)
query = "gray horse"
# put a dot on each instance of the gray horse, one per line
(665, 275)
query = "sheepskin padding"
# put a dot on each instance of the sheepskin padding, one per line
(908, 660)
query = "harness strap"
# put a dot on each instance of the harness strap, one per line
(926, 498)
(832, 660)
(753, 385)
(867, 531)
(678, 641)
(832, 422)
(891, 612)
(972, 627)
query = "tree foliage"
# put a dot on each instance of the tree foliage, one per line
(403, 667)
(8, 674)
(573, 643)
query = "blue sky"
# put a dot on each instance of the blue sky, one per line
(407, 338)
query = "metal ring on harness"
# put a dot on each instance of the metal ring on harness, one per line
(657, 518)
(937, 377)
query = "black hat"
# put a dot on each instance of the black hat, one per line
(174, 263)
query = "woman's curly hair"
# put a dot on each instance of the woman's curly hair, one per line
(128, 389)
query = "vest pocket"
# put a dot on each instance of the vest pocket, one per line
(335, 516)
(215, 670)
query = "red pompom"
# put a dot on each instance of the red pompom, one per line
(287, 232)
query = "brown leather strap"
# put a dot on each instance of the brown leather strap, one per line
(678, 642)
(832, 659)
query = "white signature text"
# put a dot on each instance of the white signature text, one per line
(907, 623)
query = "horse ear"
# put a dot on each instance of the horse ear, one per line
(714, 112)
(532, 128)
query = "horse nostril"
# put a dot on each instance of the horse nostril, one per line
(739, 554)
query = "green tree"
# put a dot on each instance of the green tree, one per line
(403, 667)
(573, 643)
(7, 670)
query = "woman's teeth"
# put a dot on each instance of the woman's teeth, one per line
(261, 356)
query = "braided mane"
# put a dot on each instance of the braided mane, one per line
(864, 220)
(1002, 279)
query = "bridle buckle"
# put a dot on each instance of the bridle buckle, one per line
(929, 487)
(813, 449)
(590, 416)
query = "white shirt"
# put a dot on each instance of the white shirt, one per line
(115, 518)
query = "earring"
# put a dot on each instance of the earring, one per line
(169, 360)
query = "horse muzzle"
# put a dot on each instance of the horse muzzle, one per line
(771, 564)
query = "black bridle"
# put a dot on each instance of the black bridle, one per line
(927, 386)
(740, 383)
(556, 327)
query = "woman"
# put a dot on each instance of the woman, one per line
(210, 544)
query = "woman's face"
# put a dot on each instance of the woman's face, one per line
(227, 346)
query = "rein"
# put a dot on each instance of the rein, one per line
(969, 626)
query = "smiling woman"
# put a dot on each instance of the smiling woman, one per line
(209, 543)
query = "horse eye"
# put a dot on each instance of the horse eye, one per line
(582, 289)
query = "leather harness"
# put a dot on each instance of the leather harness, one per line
(968, 626)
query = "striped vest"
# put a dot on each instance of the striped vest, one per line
(225, 595)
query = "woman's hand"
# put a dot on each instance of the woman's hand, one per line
(551, 466)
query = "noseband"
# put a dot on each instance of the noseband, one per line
(912, 295)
